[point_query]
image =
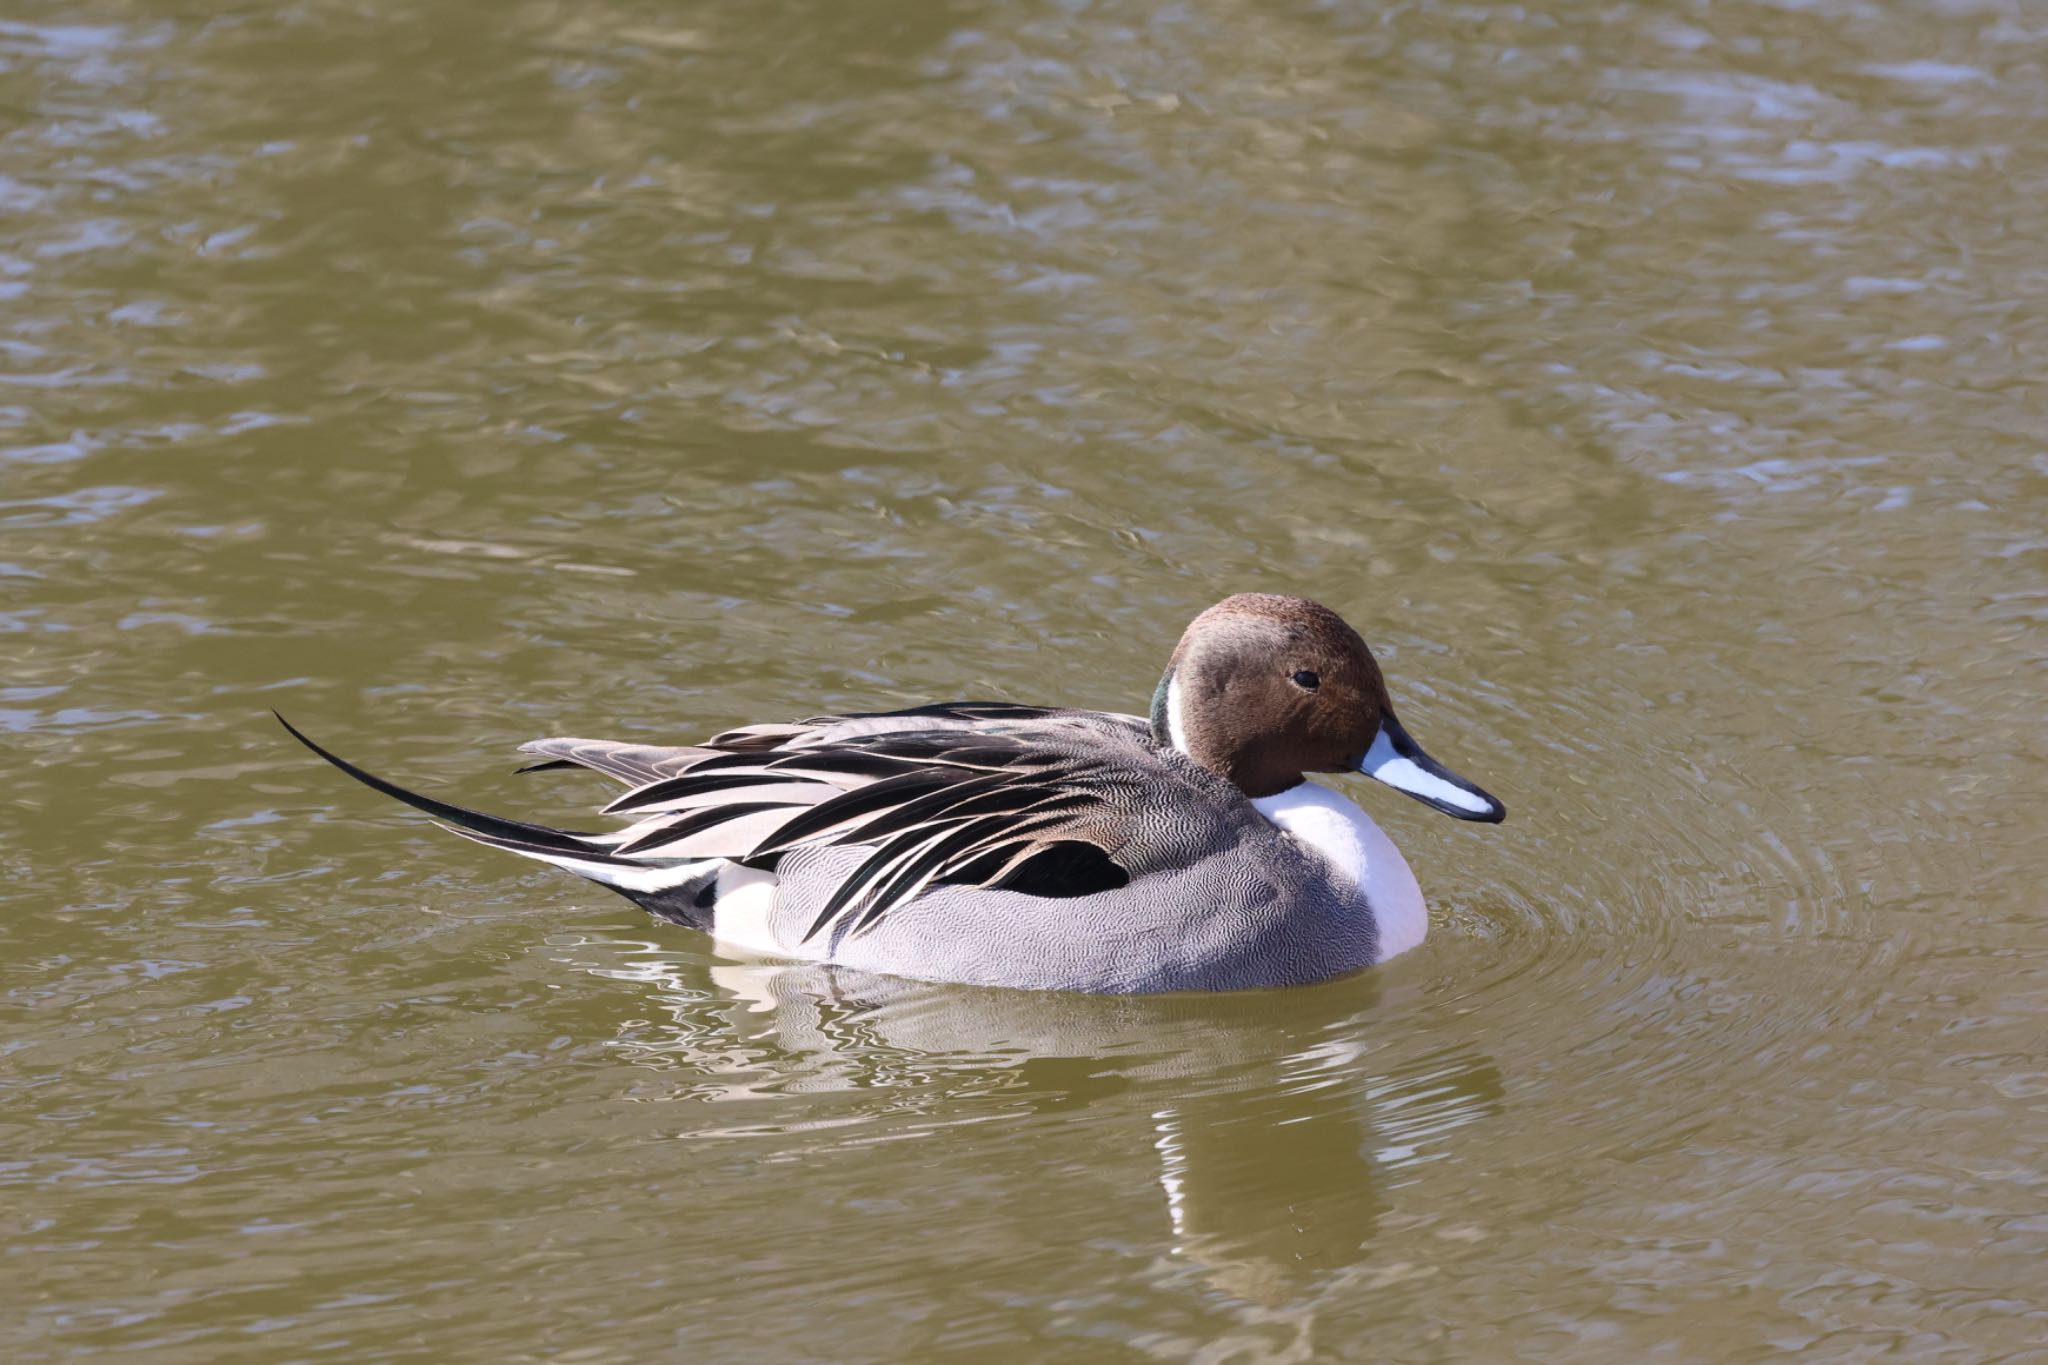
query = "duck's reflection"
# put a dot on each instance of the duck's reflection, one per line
(1270, 1121)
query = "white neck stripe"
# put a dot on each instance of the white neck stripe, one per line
(1176, 715)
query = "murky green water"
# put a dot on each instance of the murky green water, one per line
(1657, 386)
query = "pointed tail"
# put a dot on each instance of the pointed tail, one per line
(669, 888)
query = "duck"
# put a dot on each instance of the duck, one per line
(993, 843)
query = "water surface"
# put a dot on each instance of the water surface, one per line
(1657, 387)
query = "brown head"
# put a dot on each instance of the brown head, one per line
(1264, 689)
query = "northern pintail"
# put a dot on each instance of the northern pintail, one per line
(1029, 846)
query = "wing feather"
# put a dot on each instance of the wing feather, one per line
(737, 835)
(931, 860)
(966, 793)
(634, 764)
(693, 784)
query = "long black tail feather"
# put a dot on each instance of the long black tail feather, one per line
(496, 827)
(687, 898)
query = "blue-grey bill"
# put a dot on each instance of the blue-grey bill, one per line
(1398, 761)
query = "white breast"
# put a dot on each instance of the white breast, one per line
(1361, 853)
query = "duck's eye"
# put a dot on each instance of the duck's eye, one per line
(1307, 680)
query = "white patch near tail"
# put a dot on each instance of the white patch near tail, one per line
(741, 915)
(744, 912)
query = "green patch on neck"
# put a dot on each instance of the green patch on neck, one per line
(1162, 731)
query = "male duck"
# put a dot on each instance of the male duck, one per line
(1037, 846)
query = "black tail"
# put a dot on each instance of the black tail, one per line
(685, 900)
(493, 827)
